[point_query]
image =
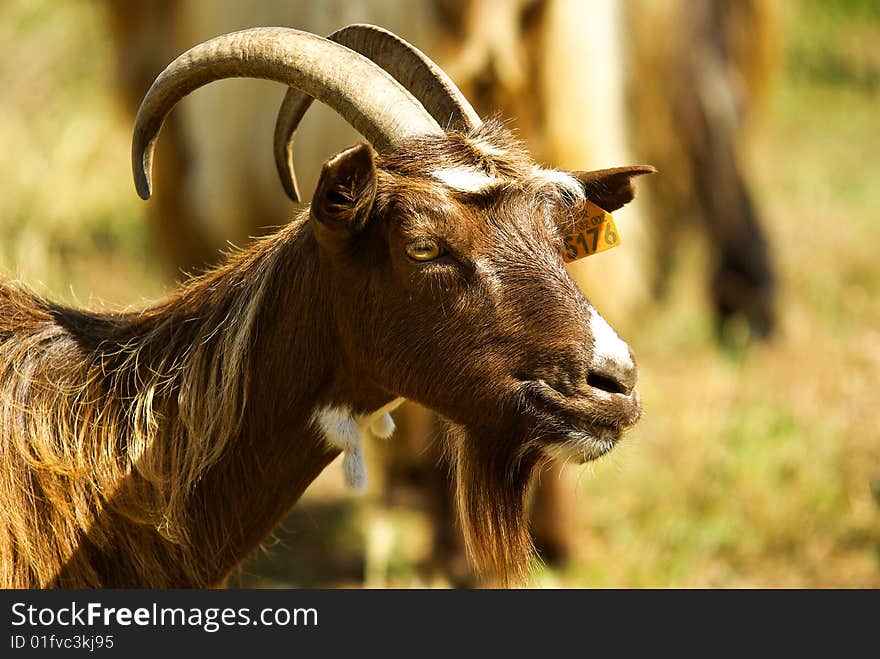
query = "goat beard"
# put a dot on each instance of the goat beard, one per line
(492, 481)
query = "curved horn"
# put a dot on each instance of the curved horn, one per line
(366, 96)
(406, 63)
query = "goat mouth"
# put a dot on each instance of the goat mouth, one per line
(584, 445)
(581, 427)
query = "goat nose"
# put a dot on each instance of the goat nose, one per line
(612, 367)
(614, 380)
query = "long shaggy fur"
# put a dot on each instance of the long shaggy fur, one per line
(491, 491)
(158, 448)
(121, 410)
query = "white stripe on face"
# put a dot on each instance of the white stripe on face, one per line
(609, 350)
(566, 181)
(465, 179)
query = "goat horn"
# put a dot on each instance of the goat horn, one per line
(406, 63)
(367, 97)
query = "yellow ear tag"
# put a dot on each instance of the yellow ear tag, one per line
(593, 232)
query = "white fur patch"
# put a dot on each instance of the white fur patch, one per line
(380, 422)
(609, 349)
(581, 446)
(465, 179)
(341, 431)
(485, 147)
(345, 431)
(566, 181)
(383, 426)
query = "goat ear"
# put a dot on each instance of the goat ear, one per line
(611, 189)
(345, 193)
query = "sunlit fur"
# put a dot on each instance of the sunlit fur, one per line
(159, 447)
(493, 470)
(119, 416)
(579, 102)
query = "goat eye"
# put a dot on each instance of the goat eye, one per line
(423, 250)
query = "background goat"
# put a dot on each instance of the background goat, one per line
(135, 444)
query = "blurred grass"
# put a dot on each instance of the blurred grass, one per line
(762, 469)
(70, 223)
(759, 468)
(834, 42)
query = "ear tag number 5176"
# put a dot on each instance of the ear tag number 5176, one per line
(593, 232)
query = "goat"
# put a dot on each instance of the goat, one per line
(136, 445)
(218, 181)
(530, 59)
(709, 81)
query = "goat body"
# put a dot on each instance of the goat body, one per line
(158, 448)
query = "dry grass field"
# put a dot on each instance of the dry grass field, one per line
(753, 467)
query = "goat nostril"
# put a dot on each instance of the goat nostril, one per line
(606, 383)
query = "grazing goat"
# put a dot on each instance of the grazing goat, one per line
(158, 448)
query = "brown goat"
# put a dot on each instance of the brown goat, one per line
(530, 59)
(158, 448)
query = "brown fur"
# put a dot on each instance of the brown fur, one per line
(157, 448)
(691, 96)
(244, 196)
(117, 427)
(498, 53)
